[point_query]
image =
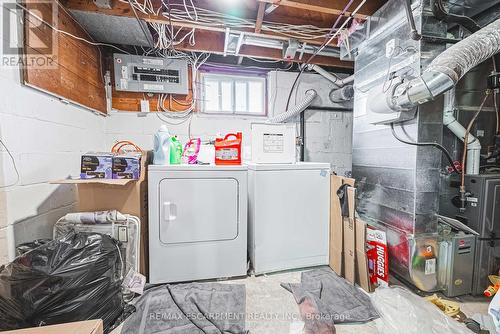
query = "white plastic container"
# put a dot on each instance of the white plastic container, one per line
(162, 146)
(273, 143)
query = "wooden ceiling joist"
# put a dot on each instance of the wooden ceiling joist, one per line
(320, 6)
(214, 42)
(123, 9)
(260, 17)
(211, 38)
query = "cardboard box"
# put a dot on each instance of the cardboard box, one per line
(125, 195)
(350, 238)
(378, 256)
(80, 327)
(362, 274)
(337, 224)
(127, 166)
(96, 165)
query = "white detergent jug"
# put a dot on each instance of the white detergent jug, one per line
(162, 146)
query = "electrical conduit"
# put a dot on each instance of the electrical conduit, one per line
(296, 110)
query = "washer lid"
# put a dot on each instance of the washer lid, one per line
(295, 166)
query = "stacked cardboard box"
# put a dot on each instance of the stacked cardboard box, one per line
(348, 237)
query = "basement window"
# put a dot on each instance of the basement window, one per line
(230, 94)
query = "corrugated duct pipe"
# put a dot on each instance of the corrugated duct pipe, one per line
(447, 68)
(306, 102)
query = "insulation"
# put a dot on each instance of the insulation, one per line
(113, 29)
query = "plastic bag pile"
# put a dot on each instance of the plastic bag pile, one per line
(71, 279)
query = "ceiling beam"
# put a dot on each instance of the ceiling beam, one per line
(123, 9)
(214, 41)
(320, 6)
(210, 39)
(260, 17)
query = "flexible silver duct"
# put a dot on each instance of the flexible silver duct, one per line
(306, 102)
(447, 68)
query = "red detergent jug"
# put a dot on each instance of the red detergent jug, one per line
(228, 150)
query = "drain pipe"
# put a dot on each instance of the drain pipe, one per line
(473, 144)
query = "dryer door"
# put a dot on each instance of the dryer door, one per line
(198, 209)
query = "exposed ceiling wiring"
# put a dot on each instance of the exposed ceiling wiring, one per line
(189, 13)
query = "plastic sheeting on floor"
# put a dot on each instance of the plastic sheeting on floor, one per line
(402, 312)
(326, 299)
(210, 308)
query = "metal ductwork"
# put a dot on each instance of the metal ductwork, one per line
(446, 69)
(343, 94)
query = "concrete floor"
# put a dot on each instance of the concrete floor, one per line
(265, 296)
(272, 309)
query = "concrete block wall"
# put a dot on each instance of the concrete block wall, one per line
(329, 139)
(46, 138)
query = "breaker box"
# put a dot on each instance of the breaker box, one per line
(150, 74)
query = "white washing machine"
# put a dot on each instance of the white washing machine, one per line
(197, 222)
(289, 215)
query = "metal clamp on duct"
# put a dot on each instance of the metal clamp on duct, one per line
(444, 71)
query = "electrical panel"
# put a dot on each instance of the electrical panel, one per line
(150, 74)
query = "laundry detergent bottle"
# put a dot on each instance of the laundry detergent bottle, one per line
(161, 154)
(175, 151)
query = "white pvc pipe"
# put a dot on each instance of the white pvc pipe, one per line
(327, 75)
(306, 102)
(473, 144)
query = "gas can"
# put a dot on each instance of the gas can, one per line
(228, 149)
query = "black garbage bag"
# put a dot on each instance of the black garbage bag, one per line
(71, 279)
(27, 246)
